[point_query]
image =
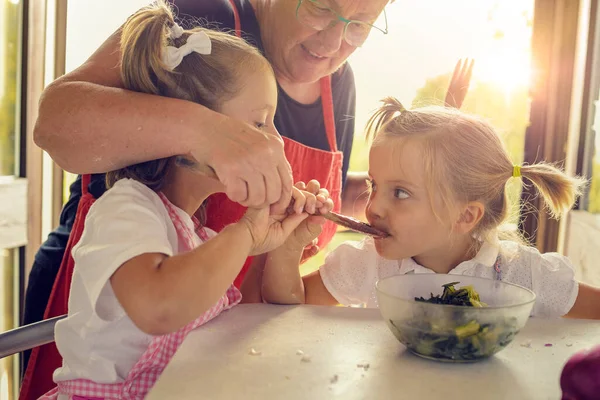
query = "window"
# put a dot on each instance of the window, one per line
(12, 190)
(582, 239)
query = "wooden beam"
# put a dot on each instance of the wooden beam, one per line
(33, 71)
(591, 88)
(60, 54)
(554, 44)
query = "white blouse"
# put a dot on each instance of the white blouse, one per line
(351, 271)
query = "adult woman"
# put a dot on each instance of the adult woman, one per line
(90, 125)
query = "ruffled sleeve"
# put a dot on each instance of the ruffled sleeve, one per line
(350, 271)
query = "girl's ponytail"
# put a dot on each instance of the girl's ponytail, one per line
(558, 190)
(143, 39)
(385, 114)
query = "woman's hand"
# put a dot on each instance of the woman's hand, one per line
(251, 164)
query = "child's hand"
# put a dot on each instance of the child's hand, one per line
(270, 231)
(317, 202)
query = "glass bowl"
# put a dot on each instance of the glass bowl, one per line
(453, 333)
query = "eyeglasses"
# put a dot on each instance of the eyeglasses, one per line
(318, 16)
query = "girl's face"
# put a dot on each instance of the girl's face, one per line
(256, 101)
(401, 204)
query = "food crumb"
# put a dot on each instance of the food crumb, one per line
(305, 359)
(364, 366)
(548, 345)
(526, 343)
(334, 379)
(253, 352)
(569, 344)
(299, 352)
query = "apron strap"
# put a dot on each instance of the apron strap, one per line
(328, 115)
(326, 94)
(85, 182)
(236, 18)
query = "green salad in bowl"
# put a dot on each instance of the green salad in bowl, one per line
(436, 318)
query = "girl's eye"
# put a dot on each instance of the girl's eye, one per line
(401, 194)
(260, 125)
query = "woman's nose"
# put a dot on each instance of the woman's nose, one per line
(332, 38)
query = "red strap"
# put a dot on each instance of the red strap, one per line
(236, 17)
(326, 94)
(328, 115)
(85, 182)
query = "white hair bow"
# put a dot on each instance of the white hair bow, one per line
(198, 42)
(176, 31)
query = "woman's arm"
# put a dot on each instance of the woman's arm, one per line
(162, 294)
(89, 124)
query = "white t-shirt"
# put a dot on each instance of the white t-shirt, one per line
(97, 340)
(351, 271)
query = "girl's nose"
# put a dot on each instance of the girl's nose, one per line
(375, 208)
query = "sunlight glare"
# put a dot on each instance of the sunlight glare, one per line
(506, 61)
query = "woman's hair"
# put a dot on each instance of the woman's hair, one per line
(209, 80)
(464, 161)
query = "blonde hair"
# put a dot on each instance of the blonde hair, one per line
(209, 80)
(465, 161)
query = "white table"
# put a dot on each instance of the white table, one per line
(214, 362)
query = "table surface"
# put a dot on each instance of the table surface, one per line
(350, 353)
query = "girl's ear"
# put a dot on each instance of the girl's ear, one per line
(470, 216)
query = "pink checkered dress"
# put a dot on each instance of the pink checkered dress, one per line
(146, 371)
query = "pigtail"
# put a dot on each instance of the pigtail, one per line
(144, 36)
(383, 116)
(558, 190)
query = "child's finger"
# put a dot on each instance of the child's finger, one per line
(300, 185)
(323, 192)
(326, 207)
(313, 187)
(310, 251)
(299, 199)
(323, 195)
(311, 203)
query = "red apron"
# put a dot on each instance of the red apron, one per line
(307, 163)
